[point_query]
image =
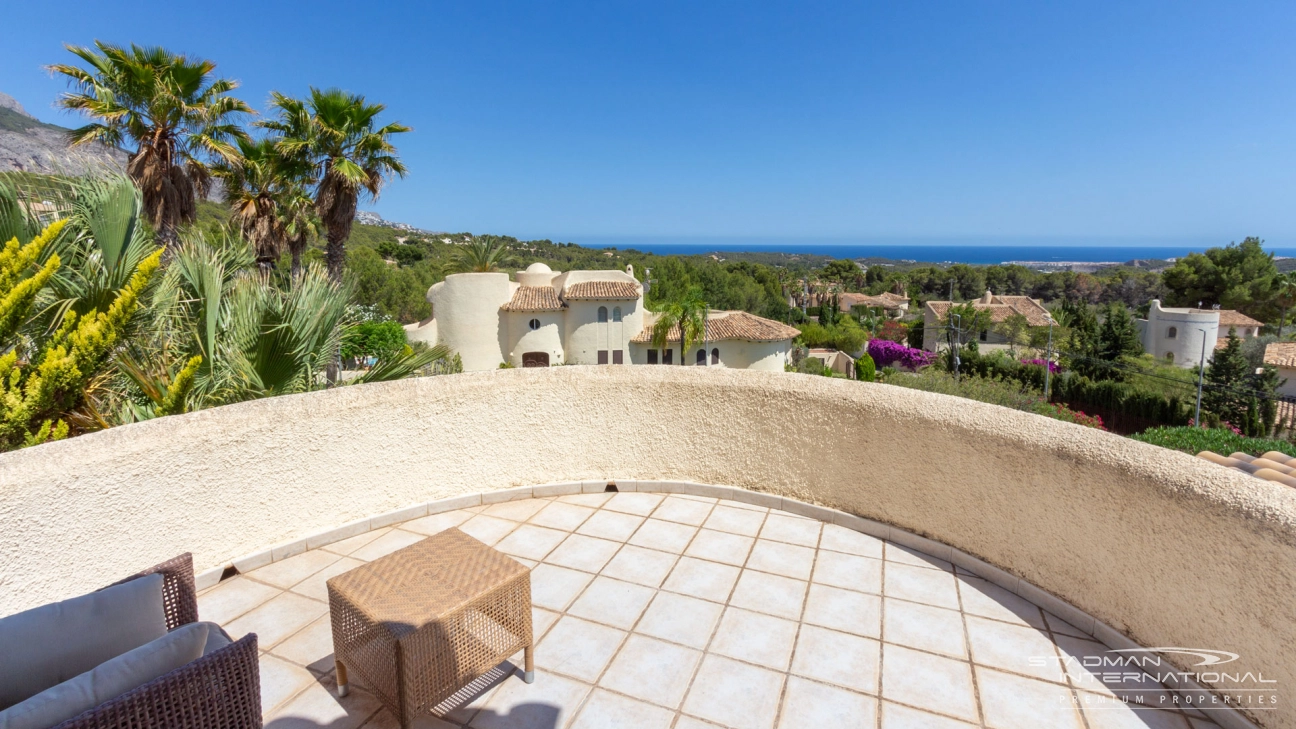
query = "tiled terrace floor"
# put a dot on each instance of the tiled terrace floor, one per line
(656, 611)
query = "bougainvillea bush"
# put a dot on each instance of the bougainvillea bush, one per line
(1058, 411)
(1053, 366)
(886, 353)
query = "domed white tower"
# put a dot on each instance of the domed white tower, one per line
(467, 309)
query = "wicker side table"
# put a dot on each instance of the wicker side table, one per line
(423, 622)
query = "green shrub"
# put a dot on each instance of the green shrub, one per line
(1005, 393)
(378, 339)
(1220, 440)
(865, 368)
(1121, 397)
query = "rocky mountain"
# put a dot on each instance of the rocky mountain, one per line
(30, 145)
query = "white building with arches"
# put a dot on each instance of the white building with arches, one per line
(545, 318)
(1180, 335)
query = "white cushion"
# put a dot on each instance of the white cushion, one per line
(48, 645)
(111, 679)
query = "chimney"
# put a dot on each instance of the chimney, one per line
(988, 298)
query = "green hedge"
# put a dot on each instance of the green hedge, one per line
(1122, 398)
(1220, 440)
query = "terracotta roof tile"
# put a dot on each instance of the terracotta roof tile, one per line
(601, 290)
(534, 298)
(885, 300)
(1231, 318)
(733, 325)
(1281, 354)
(1002, 308)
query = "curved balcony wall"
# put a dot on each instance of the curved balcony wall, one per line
(1167, 549)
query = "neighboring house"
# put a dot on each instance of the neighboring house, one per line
(836, 360)
(1000, 308)
(547, 318)
(1282, 355)
(1175, 334)
(895, 305)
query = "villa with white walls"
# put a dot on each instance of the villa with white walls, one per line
(544, 318)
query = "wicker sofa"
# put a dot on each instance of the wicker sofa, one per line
(219, 690)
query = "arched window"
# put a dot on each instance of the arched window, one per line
(534, 324)
(715, 356)
(616, 315)
(1172, 332)
(701, 358)
(1170, 356)
(602, 315)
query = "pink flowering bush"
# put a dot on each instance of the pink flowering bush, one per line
(1053, 366)
(886, 353)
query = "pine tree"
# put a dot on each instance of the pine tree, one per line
(1227, 387)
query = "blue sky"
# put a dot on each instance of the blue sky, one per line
(1122, 120)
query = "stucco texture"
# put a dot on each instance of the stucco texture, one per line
(1170, 549)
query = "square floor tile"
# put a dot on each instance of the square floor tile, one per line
(781, 558)
(316, 586)
(318, 705)
(734, 694)
(905, 555)
(810, 705)
(1012, 702)
(1087, 663)
(699, 578)
(531, 542)
(549, 703)
(277, 619)
(1058, 625)
(791, 529)
(680, 619)
(437, 523)
(1014, 648)
(281, 680)
(720, 547)
(287, 572)
(764, 593)
(311, 646)
(578, 648)
(392, 541)
(895, 716)
(541, 621)
(688, 722)
(606, 710)
(556, 587)
(838, 658)
(652, 670)
(561, 515)
(610, 525)
(918, 584)
(848, 541)
(1114, 714)
(725, 518)
(992, 601)
(641, 566)
(634, 503)
(612, 602)
(580, 552)
(519, 510)
(666, 536)
(487, 529)
(848, 571)
(924, 627)
(684, 511)
(941, 685)
(233, 597)
(844, 610)
(590, 500)
(755, 638)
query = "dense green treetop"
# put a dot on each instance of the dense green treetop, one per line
(1238, 276)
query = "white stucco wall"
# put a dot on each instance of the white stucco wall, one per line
(466, 307)
(585, 335)
(522, 339)
(1170, 549)
(1186, 345)
(1288, 374)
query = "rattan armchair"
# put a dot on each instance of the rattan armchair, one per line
(221, 690)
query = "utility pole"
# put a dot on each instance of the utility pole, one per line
(1048, 361)
(956, 330)
(1201, 375)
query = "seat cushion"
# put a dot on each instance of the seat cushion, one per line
(217, 638)
(108, 680)
(48, 645)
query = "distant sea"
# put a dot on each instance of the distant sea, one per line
(934, 251)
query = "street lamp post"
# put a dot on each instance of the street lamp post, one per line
(1048, 360)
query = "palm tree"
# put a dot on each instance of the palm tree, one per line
(253, 190)
(177, 117)
(1286, 296)
(336, 131)
(299, 221)
(686, 314)
(482, 254)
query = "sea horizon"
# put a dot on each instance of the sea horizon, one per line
(971, 250)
